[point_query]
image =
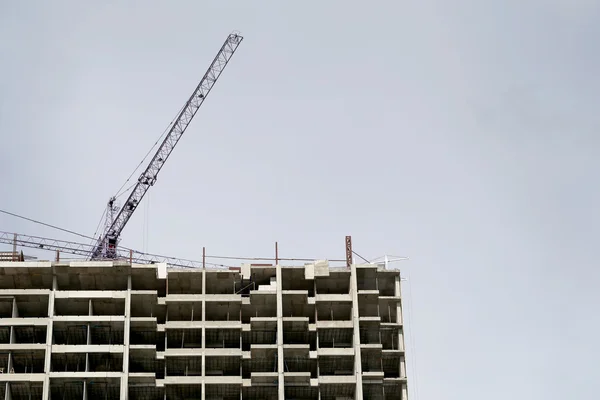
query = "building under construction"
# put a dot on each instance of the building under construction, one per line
(120, 330)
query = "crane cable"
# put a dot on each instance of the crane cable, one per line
(99, 223)
(144, 253)
(119, 193)
(48, 225)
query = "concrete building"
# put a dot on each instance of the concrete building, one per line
(112, 330)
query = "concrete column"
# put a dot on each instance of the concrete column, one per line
(15, 314)
(126, 329)
(49, 327)
(10, 368)
(15, 309)
(280, 368)
(399, 304)
(399, 316)
(203, 395)
(11, 334)
(400, 320)
(356, 332)
(317, 332)
(402, 366)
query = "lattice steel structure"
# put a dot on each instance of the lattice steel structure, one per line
(105, 247)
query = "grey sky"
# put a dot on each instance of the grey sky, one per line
(463, 134)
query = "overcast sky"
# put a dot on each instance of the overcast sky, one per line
(463, 134)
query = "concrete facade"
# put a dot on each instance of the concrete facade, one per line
(111, 330)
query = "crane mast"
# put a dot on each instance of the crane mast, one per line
(107, 243)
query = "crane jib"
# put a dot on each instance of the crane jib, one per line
(108, 242)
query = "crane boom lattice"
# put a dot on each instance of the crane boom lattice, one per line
(105, 247)
(84, 250)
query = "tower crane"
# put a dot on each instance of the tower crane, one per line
(105, 247)
(83, 249)
(117, 217)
